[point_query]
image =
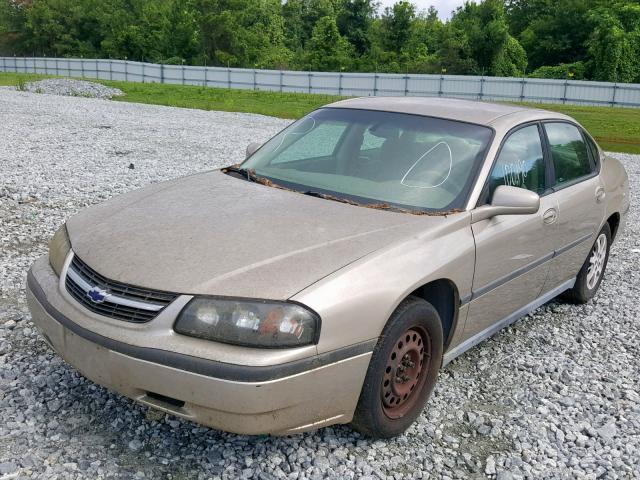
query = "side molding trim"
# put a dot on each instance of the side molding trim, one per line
(507, 278)
(575, 243)
(488, 332)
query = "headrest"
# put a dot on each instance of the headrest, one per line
(384, 130)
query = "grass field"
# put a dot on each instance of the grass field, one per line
(616, 129)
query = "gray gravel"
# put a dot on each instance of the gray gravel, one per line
(554, 396)
(73, 88)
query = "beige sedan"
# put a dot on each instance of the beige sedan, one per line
(330, 276)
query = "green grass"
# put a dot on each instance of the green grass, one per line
(616, 129)
(275, 104)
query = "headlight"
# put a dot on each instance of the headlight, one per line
(251, 323)
(59, 247)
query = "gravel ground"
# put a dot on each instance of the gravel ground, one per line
(554, 396)
(72, 88)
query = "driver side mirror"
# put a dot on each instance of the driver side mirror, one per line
(251, 149)
(508, 201)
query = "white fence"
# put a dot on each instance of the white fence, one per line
(337, 83)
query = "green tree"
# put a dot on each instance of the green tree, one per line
(354, 22)
(242, 33)
(396, 25)
(327, 49)
(596, 39)
(454, 54)
(556, 32)
(574, 71)
(510, 60)
(486, 28)
(301, 16)
(614, 44)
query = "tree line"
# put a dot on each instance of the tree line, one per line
(580, 39)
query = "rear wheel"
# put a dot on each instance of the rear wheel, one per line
(592, 271)
(402, 372)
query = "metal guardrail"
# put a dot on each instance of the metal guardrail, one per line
(576, 92)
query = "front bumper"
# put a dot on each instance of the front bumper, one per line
(275, 399)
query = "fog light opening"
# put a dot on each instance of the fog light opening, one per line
(173, 402)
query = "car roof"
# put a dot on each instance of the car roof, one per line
(482, 113)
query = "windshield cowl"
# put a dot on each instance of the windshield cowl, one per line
(250, 175)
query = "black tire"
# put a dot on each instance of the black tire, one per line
(414, 320)
(582, 291)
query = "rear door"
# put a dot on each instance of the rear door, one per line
(512, 251)
(579, 192)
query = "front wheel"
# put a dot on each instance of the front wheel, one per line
(592, 271)
(402, 372)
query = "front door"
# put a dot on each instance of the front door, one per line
(513, 251)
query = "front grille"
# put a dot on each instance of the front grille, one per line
(122, 301)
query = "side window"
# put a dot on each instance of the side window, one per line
(520, 162)
(321, 140)
(568, 151)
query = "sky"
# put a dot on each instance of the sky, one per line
(444, 7)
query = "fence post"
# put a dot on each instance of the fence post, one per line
(110, 69)
(564, 95)
(162, 73)
(280, 81)
(182, 68)
(523, 83)
(339, 83)
(228, 77)
(143, 76)
(206, 81)
(375, 84)
(57, 68)
(406, 85)
(481, 88)
(613, 97)
(440, 86)
(254, 78)
(82, 67)
(15, 64)
(4, 66)
(310, 81)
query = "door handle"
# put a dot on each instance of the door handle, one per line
(550, 216)
(600, 194)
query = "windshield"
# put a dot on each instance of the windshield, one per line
(373, 157)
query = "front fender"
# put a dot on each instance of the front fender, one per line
(356, 302)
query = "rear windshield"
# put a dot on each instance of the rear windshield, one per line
(402, 160)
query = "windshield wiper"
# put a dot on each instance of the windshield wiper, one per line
(377, 206)
(313, 193)
(245, 173)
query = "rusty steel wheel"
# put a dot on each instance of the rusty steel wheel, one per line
(403, 374)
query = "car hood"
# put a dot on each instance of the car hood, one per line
(214, 234)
